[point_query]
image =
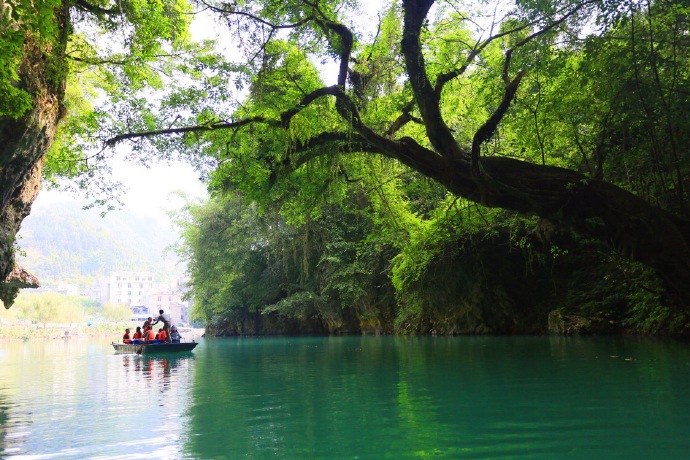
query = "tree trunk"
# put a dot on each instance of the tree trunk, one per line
(628, 224)
(24, 143)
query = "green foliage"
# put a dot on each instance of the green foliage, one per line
(49, 307)
(224, 248)
(650, 312)
(124, 62)
(22, 21)
(613, 105)
(116, 312)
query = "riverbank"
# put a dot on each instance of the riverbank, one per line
(61, 331)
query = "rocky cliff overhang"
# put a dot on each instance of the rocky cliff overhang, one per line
(19, 278)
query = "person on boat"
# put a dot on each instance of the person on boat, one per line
(126, 338)
(167, 322)
(149, 336)
(162, 336)
(175, 334)
(147, 323)
(138, 335)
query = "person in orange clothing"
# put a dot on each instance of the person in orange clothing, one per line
(138, 335)
(162, 335)
(149, 336)
(126, 338)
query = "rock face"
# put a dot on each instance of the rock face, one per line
(24, 142)
(19, 278)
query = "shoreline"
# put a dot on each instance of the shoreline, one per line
(26, 332)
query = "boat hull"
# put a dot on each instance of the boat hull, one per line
(151, 348)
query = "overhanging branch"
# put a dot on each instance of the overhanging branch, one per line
(187, 129)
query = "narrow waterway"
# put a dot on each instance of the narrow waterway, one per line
(348, 397)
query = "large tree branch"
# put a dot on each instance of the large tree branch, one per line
(406, 150)
(346, 108)
(439, 134)
(347, 40)
(286, 116)
(346, 36)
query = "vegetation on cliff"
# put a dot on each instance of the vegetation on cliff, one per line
(553, 139)
(464, 270)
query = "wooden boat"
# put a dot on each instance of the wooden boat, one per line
(149, 348)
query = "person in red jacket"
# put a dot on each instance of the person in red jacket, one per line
(149, 336)
(126, 338)
(138, 335)
(162, 335)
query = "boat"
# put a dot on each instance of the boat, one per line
(149, 348)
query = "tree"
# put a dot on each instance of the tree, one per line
(405, 112)
(51, 307)
(257, 273)
(116, 311)
(42, 308)
(52, 54)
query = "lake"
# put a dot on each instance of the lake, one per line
(349, 398)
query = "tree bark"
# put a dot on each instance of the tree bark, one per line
(628, 224)
(24, 143)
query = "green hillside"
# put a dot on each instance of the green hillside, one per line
(64, 243)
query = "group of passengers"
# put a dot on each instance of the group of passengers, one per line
(144, 334)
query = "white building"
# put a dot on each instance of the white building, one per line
(68, 289)
(128, 287)
(170, 302)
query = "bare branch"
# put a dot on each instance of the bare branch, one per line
(487, 130)
(187, 129)
(444, 78)
(347, 39)
(234, 12)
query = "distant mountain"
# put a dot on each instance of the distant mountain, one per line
(61, 242)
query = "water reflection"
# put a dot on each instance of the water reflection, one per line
(82, 401)
(348, 397)
(477, 397)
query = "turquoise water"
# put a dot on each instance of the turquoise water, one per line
(349, 397)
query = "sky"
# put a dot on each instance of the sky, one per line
(148, 191)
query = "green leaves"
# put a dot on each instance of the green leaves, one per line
(22, 21)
